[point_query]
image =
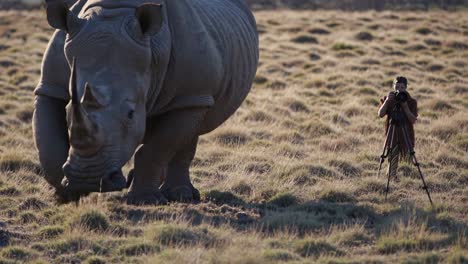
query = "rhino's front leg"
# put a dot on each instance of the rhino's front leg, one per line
(51, 138)
(147, 176)
(167, 135)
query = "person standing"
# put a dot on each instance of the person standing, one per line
(409, 107)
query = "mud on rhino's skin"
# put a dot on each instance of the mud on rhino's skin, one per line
(149, 74)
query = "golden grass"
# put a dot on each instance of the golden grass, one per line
(291, 176)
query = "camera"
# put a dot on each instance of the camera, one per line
(401, 96)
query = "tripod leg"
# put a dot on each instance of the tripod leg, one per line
(392, 165)
(390, 149)
(388, 185)
(423, 181)
(416, 163)
(385, 149)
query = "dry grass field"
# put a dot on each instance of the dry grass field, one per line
(291, 177)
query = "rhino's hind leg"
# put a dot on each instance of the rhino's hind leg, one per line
(177, 186)
(167, 138)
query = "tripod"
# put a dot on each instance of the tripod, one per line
(398, 124)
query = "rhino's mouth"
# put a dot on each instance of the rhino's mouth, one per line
(98, 173)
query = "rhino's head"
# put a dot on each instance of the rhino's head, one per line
(109, 52)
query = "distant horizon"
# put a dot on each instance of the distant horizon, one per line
(346, 5)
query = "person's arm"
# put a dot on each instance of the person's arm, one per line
(409, 114)
(383, 109)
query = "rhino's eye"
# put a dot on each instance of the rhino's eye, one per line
(130, 114)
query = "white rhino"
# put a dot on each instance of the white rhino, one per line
(149, 74)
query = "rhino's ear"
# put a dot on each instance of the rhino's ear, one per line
(150, 17)
(60, 17)
(57, 12)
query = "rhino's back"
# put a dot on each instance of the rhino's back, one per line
(231, 27)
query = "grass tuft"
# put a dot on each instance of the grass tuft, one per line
(27, 217)
(284, 200)
(232, 138)
(440, 105)
(278, 255)
(427, 258)
(32, 203)
(13, 162)
(352, 237)
(95, 260)
(9, 191)
(305, 39)
(49, 232)
(457, 45)
(364, 36)
(138, 249)
(423, 31)
(316, 128)
(177, 235)
(319, 31)
(242, 188)
(460, 141)
(298, 106)
(301, 222)
(336, 196)
(457, 257)
(409, 237)
(219, 197)
(448, 159)
(68, 245)
(345, 167)
(93, 221)
(260, 80)
(391, 245)
(313, 248)
(17, 253)
(342, 46)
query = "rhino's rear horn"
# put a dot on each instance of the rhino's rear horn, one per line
(94, 96)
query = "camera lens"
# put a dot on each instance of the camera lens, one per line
(401, 96)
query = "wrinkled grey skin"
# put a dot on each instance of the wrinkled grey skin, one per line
(140, 78)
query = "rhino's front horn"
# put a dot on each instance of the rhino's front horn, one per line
(73, 87)
(84, 133)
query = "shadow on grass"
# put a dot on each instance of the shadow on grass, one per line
(317, 215)
(284, 212)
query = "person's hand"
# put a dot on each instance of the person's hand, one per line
(391, 96)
